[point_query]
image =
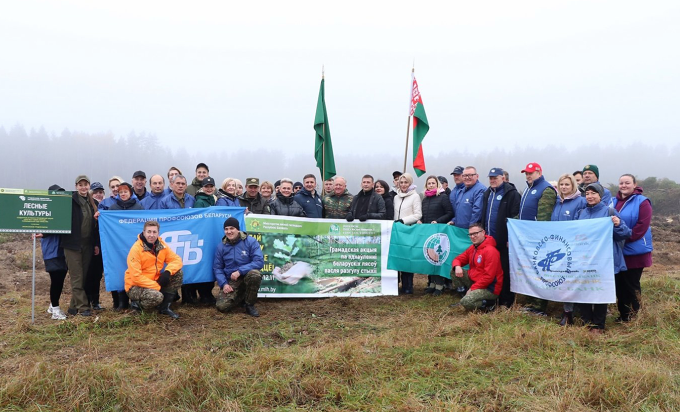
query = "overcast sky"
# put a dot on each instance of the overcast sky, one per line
(246, 74)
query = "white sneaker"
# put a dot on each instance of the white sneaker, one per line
(50, 309)
(57, 314)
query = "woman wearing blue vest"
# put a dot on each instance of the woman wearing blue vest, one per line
(636, 211)
(594, 314)
(569, 203)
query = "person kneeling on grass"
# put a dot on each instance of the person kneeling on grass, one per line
(147, 282)
(484, 280)
(237, 265)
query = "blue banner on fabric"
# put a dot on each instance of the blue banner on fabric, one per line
(563, 261)
(192, 233)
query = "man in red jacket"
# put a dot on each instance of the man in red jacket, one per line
(484, 280)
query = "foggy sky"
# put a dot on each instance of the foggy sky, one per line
(210, 77)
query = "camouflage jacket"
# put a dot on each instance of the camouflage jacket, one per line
(337, 207)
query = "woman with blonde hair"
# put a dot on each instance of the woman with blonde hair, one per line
(227, 193)
(568, 204)
(407, 211)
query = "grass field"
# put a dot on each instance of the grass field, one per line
(388, 353)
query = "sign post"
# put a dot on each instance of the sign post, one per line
(35, 211)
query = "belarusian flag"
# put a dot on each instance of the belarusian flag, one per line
(420, 128)
(323, 148)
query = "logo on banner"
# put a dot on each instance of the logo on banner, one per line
(334, 229)
(186, 245)
(552, 260)
(436, 249)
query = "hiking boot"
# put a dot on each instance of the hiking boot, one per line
(250, 309)
(71, 311)
(86, 312)
(429, 290)
(488, 305)
(134, 305)
(437, 292)
(567, 319)
(97, 306)
(461, 290)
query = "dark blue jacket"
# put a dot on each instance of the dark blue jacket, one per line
(244, 256)
(454, 195)
(567, 209)
(621, 233)
(228, 200)
(469, 207)
(53, 254)
(312, 205)
(528, 205)
(630, 212)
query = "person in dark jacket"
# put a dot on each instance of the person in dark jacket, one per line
(153, 198)
(237, 265)
(284, 204)
(309, 198)
(594, 315)
(126, 201)
(206, 196)
(55, 265)
(436, 208)
(366, 204)
(81, 244)
(382, 188)
(500, 203)
(202, 172)
(444, 182)
(252, 200)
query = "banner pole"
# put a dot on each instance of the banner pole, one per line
(33, 285)
(408, 122)
(408, 118)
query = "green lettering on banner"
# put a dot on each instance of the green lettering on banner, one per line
(318, 257)
(35, 211)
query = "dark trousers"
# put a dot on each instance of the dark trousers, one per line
(506, 298)
(628, 292)
(94, 279)
(56, 285)
(406, 281)
(593, 315)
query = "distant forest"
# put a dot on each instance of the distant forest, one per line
(35, 159)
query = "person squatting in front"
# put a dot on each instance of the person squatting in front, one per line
(237, 265)
(154, 272)
(484, 280)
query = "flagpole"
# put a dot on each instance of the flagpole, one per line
(408, 120)
(323, 129)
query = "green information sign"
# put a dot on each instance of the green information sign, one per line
(35, 211)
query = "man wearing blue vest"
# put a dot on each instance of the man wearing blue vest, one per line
(501, 202)
(537, 203)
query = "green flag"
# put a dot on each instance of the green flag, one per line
(323, 148)
(428, 249)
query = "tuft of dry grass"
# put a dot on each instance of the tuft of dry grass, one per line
(388, 353)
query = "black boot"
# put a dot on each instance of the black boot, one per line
(123, 301)
(250, 309)
(567, 319)
(164, 308)
(114, 298)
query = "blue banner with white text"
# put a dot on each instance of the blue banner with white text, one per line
(192, 233)
(563, 261)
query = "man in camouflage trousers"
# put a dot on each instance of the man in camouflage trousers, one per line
(147, 282)
(336, 204)
(237, 265)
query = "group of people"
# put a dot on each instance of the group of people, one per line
(468, 204)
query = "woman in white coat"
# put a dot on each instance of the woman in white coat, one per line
(407, 211)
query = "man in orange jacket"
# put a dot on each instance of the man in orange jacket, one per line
(484, 280)
(154, 272)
